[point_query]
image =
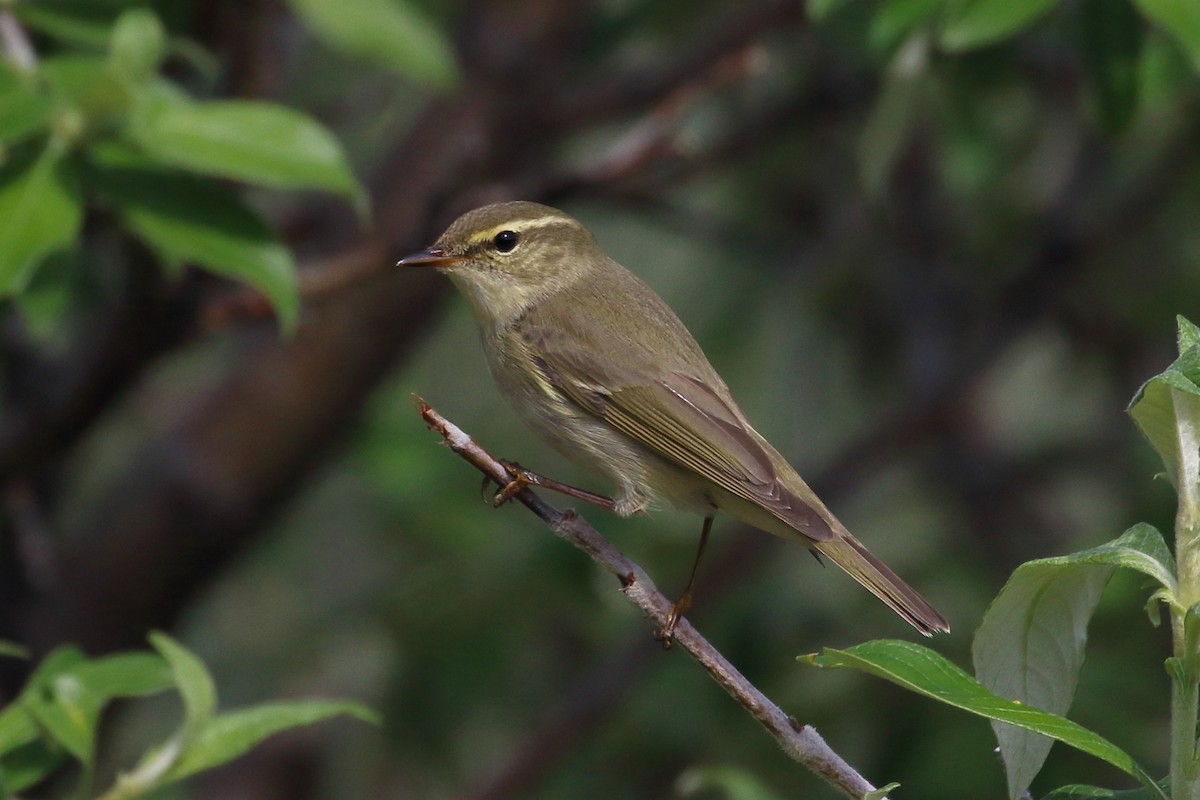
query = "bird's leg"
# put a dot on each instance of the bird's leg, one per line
(680, 606)
(523, 477)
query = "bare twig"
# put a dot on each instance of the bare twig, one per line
(801, 742)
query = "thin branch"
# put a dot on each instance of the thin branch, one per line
(801, 742)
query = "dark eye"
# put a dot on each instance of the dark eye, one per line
(505, 241)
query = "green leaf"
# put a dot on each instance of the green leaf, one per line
(1141, 548)
(227, 736)
(189, 219)
(195, 685)
(894, 20)
(28, 765)
(1167, 410)
(820, 10)
(732, 782)
(1188, 335)
(250, 141)
(975, 23)
(17, 727)
(1111, 37)
(89, 89)
(1030, 645)
(78, 24)
(13, 650)
(894, 116)
(921, 670)
(26, 111)
(66, 711)
(40, 212)
(65, 698)
(126, 675)
(390, 33)
(138, 45)
(1179, 18)
(1080, 792)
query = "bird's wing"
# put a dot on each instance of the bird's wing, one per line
(684, 419)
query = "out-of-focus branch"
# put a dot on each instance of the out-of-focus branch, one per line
(65, 398)
(634, 90)
(801, 742)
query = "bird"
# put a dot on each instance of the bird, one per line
(597, 364)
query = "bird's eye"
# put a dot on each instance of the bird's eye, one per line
(505, 241)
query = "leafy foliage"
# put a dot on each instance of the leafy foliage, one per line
(393, 34)
(984, 204)
(920, 669)
(56, 717)
(1029, 648)
(66, 115)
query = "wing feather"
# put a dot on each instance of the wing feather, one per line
(682, 419)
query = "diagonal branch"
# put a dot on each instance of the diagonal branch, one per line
(801, 742)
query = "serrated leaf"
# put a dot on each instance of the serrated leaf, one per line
(1188, 335)
(194, 683)
(257, 142)
(26, 111)
(1111, 37)
(1030, 645)
(1167, 410)
(228, 735)
(138, 45)
(1141, 548)
(1180, 19)
(40, 212)
(921, 670)
(390, 33)
(969, 24)
(189, 219)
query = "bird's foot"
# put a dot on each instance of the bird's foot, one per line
(523, 478)
(666, 634)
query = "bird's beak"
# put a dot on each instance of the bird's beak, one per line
(433, 257)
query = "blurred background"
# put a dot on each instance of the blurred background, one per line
(933, 247)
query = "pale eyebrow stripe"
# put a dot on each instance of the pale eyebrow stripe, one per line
(521, 226)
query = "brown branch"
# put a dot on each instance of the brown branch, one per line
(630, 91)
(53, 404)
(801, 742)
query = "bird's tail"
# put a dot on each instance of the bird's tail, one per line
(850, 554)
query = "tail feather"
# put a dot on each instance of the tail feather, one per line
(850, 554)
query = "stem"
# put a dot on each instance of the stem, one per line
(1185, 683)
(1183, 737)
